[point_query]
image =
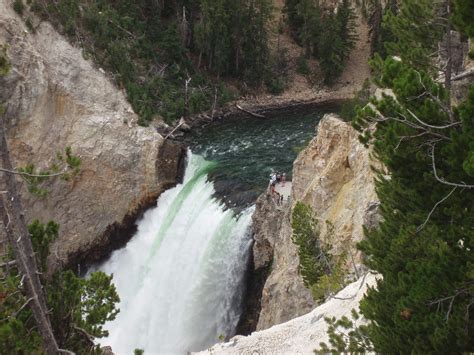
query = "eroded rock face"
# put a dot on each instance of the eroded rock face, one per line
(54, 99)
(284, 295)
(274, 280)
(332, 175)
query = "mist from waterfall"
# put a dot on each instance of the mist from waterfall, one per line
(180, 278)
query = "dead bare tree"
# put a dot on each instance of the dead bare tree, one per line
(16, 233)
(186, 97)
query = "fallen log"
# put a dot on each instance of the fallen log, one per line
(249, 112)
(169, 134)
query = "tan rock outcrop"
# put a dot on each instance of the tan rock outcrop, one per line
(333, 175)
(54, 99)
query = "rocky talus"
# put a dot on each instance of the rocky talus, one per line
(333, 175)
(55, 98)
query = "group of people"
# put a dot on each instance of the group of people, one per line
(276, 178)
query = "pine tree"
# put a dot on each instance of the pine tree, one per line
(232, 37)
(78, 307)
(309, 33)
(293, 16)
(416, 28)
(423, 247)
(464, 18)
(306, 236)
(337, 40)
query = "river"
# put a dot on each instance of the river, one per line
(181, 277)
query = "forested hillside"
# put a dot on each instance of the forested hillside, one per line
(154, 49)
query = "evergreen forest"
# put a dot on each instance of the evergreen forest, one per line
(422, 249)
(152, 48)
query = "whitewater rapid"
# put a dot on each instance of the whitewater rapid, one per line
(180, 278)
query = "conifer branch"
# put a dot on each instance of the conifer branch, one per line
(89, 337)
(434, 208)
(441, 180)
(432, 126)
(408, 137)
(31, 175)
(451, 299)
(362, 282)
(445, 107)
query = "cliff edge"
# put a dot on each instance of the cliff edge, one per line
(54, 98)
(333, 175)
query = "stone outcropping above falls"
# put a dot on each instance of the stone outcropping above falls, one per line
(54, 98)
(333, 175)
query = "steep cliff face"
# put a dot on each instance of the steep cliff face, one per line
(282, 296)
(333, 175)
(54, 98)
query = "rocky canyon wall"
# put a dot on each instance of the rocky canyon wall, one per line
(333, 175)
(54, 98)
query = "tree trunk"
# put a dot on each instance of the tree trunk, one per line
(186, 97)
(449, 61)
(17, 234)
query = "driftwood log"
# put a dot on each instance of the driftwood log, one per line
(249, 112)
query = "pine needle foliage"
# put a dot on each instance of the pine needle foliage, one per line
(306, 237)
(327, 35)
(151, 48)
(346, 336)
(415, 30)
(423, 246)
(79, 307)
(233, 37)
(464, 18)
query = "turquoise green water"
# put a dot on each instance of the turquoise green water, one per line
(246, 151)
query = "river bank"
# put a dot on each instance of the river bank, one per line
(302, 93)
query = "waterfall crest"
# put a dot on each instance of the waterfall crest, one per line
(180, 278)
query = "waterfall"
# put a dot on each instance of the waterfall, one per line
(180, 278)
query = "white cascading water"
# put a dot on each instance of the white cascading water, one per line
(180, 278)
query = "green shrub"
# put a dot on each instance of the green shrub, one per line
(302, 65)
(349, 108)
(19, 7)
(306, 236)
(346, 336)
(198, 101)
(275, 85)
(330, 283)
